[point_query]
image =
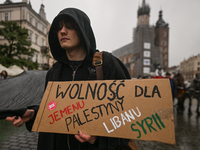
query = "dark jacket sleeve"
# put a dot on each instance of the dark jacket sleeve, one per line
(29, 124)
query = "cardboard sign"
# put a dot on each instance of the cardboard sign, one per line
(133, 109)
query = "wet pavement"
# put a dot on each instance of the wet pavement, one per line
(13, 138)
(187, 132)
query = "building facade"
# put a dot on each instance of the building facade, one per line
(36, 23)
(149, 46)
(125, 55)
(190, 67)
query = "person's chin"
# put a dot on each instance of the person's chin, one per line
(64, 46)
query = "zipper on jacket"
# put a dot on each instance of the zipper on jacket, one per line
(73, 77)
(68, 142)
(74, 71)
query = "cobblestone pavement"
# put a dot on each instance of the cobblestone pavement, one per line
(187, 132)
(21, 141)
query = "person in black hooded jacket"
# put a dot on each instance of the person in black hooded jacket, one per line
(73, 45)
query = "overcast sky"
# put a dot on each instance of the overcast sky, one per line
(113, 22)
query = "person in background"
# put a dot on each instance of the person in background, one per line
(179, 91)
(73, 45)
(4, 74)
(159, 72)
(168, 75)
(197, 78)
(139, 77)
(145, 77)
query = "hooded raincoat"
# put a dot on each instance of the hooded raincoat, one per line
(62, 71)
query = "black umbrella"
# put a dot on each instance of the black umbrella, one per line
(19, 92)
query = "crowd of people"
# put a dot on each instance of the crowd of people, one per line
(180, 90)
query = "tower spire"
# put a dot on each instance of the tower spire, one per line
(42, 11)
(30, 3)
(143, 14)
(143, 3)
(144, 9)
(161, 22)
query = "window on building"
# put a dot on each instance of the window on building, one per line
(30, 35)
(198, 63)
(166, 64)
(198, 68)
(36, 39)
(132, 67)
(165, 44)
(164, 34)
(166, 56)
(36, 24)
(124, 60)
(23, 14)
(161, 49)
(129, 59)
(36, 57)
(43, 42)
(6, 16)
(30, 19)
(43, 29)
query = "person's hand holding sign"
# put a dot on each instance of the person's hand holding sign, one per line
(85, 138)
(19, 121)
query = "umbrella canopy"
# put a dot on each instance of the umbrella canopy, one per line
(16, 69)
(10, 72)
(24, 90)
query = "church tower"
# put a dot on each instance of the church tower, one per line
(143, 14)
(146, 55)
(162, 40)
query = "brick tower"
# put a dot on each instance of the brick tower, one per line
(145, 53)
(162, 40)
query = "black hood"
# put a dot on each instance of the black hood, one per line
(84, 25)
